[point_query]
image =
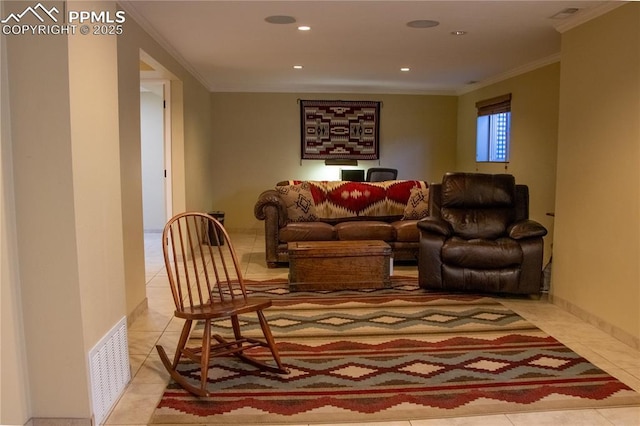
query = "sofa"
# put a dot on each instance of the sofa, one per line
(478, 236)
(296, 211)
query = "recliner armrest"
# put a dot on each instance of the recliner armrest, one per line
(435, 225)
(526, 229)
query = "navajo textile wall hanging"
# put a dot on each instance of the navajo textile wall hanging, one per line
(340, 130)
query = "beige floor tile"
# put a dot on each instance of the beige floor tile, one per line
(136, 404)
(616, 352)
(151, 320)
(141, 342)
(152, 371)
(169, 340)
(135, 362)
(622, 416)
(635, 372)
(499, 420)
(159, 280)
(175, 325)
(559, 418)
(392, 423)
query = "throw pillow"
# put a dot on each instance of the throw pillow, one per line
(418, 205)
(299, 202)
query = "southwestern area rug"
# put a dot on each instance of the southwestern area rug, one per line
(393, 354)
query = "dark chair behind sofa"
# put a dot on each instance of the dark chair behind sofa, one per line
(479, 238)
(380, 174)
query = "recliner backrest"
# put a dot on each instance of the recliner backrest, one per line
(478, 205)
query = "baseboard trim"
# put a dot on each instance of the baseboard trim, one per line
(610, 329)
(137, 311)
(44, 421)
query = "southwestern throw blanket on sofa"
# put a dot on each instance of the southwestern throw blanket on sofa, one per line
(341, 199)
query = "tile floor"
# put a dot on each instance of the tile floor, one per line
(157, 325)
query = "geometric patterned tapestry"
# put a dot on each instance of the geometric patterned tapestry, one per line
(340, 130)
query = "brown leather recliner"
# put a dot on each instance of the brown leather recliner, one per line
(478, 236)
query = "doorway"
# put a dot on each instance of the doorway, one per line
(155, 154)
(157, 142)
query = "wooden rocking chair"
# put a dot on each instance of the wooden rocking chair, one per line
(206, 283)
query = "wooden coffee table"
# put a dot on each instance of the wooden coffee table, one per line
(338, 265)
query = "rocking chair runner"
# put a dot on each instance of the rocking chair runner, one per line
(206, 283)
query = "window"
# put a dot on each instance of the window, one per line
(493, 129)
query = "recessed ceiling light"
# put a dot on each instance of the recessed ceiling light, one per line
(280, 19)
(423, 23)
(405, 69)
(458, 32)
(298, 67)
(304, 28)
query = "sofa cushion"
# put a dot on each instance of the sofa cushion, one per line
(299, 202)
(365, 230)
(417, 206)
(478, 253)
(306, 231)
(406, 230)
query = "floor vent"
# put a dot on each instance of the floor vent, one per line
(109, 369)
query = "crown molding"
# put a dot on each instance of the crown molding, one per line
(511, 73)
(129, 7)
(587, 15)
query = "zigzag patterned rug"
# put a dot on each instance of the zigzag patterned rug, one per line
(393, 354)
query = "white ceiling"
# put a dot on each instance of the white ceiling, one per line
(358, 46)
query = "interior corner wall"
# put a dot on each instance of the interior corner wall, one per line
(47, 243)
(597, 240)
(14, 380)
(191, 146)
(257, 144)
(93, 79)
(534, 138)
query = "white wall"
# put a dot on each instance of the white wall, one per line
(152, 141)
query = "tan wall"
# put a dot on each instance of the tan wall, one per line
(67, 206)
(534, 129)
(96, 162)
(79, 265)
(597, 240)
(191, 145)
(257, 143)
(14, 378)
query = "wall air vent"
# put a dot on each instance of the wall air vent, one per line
(109, 370)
